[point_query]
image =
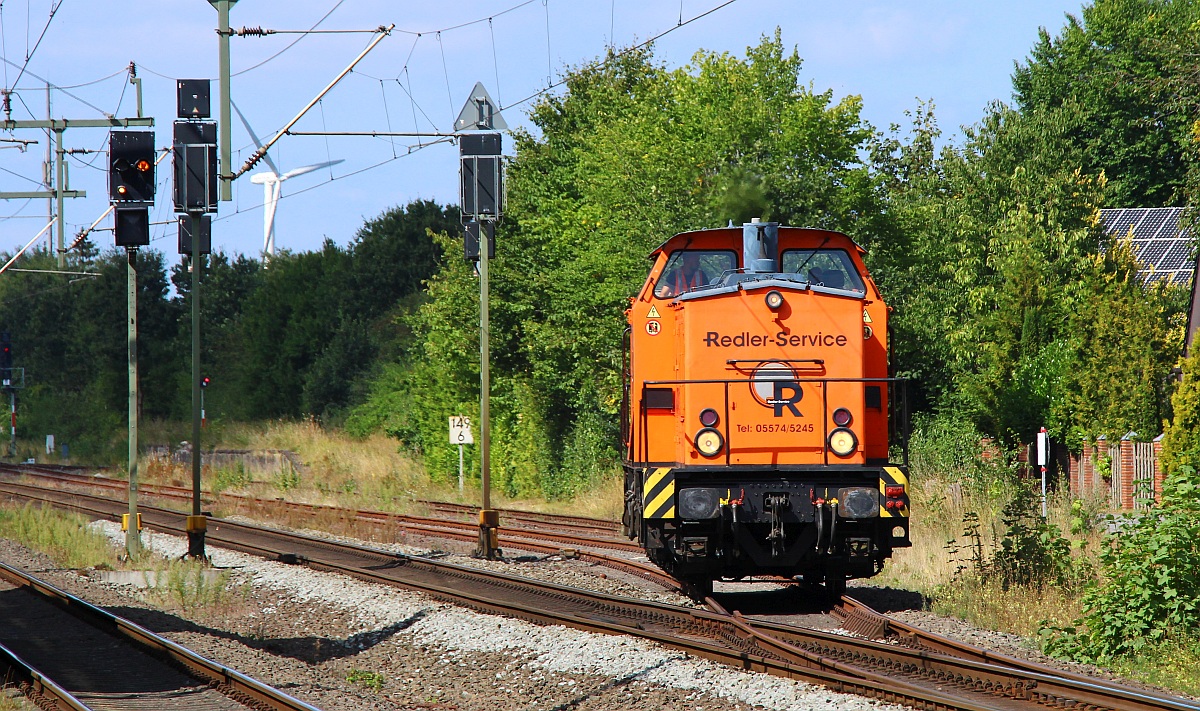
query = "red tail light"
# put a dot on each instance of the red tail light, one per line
(894, 492)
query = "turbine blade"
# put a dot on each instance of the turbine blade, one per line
(309, 168)
(254, 137)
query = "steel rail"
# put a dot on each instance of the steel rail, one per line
(232, 682)
(529, 518)
(858, 616)
(895, 673)
(534, 541)
(560, 520)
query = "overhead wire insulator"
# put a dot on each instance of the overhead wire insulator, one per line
(253, 32)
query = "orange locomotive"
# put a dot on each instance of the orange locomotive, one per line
(759, 412)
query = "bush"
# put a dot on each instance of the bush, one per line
(1034, 552)
(1181, 443)
(1150, 592)
(949, 448)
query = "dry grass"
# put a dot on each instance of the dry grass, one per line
(940, 564)
(12, 700)
(65, 537)
(371, 473)
(71, 543)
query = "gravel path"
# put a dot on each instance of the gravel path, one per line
(343, 644)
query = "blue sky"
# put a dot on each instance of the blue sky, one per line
(891, 52)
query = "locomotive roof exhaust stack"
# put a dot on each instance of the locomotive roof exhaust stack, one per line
(760, 245)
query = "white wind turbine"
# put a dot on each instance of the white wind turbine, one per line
(272, 182)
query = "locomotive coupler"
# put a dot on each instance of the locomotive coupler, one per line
(775, 504)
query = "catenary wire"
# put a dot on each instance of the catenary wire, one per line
(122, 70)
(549, 67)
(387, 116)
(495, 58)
(81, 100)
(446, 73)
(292, 43)
(469, 23)
(29, 53)
(623, 52)
(3, 42)
(385, 161)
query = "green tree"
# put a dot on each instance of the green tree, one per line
(1181, 445)
(630, 154)
(1125, 68)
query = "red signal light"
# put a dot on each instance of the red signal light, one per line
(894, 492)
(841, 417)
(709, 418)
(142, 165)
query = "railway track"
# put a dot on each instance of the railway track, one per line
(108, 662)
(591, 540)
(952, 677)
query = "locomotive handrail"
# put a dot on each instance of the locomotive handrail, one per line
(735, 361)
(897, 406)
(716, 381)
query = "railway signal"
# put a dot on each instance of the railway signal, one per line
(481, 199)
(131, 168)
(131, 186)
(195, 159)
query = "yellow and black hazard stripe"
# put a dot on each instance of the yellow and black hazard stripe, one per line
(892, 476)
(658, 493)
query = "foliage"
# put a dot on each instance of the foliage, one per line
(1148, 592)
(1033, 552)
(1124, 334)
(1181, 443)
(369, 679)
(946, 447)
(630, 154)
(300, 338)
(1123, 67)
(191, 584)
(69, 337)
(1016, 309)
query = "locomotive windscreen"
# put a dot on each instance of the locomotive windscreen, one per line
(828, 267)
(688, 269)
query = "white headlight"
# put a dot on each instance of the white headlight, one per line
(709, 442)
(842, 442)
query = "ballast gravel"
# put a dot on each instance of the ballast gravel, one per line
(339, 643)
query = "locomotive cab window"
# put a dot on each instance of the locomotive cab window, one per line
(689, 269)
(831, 268)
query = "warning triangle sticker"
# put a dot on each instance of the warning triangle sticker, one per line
(653, 312)
(866, 317)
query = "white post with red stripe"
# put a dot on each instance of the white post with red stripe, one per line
(1043, 447)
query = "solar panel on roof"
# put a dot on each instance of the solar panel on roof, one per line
(1156, 241)
(1179, 257)
(1120, 221)
(1150, 224)
(1152, 252)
